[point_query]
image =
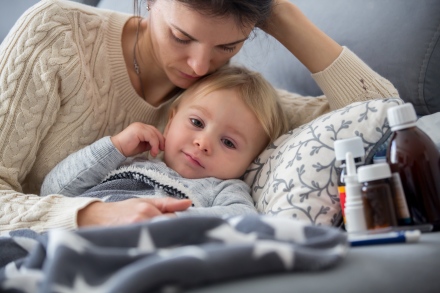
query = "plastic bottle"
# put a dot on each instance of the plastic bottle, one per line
(376, 195)
(355, 146)
(415, 157)
(354, 208)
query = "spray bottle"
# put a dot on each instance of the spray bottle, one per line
(354, 208)
(355, 146)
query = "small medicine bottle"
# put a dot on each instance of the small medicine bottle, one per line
(355, 146)
(377, 196)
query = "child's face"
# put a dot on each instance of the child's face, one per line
(213, 136)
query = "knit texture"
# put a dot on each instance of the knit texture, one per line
(101, 171)
(64, 84)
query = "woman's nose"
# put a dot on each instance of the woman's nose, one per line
(200, 60)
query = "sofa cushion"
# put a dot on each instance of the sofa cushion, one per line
(401, 41)
(297, 176)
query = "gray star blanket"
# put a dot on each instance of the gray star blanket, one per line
(164, 254)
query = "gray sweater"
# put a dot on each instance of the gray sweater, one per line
(101, 171)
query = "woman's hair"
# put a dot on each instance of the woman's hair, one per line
(253, 89)
(246, 12)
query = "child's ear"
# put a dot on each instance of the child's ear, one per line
(170, 118)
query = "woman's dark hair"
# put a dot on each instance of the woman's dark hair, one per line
(246, 12)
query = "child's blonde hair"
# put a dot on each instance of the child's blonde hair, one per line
(255, 91)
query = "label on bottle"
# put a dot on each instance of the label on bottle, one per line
(399, 199)
(341, 191)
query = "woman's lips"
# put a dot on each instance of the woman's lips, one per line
(189, 76)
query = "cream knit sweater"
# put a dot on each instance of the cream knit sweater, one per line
(64, 85)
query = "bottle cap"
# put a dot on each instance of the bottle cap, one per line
(353, 145)
(374, 172)
(402, 116)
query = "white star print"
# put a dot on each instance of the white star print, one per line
(22, 279)
(191, 251)
(67, 239)
(145, 244)
(284, 251)
(228, 234)
(287, 229)
(26, 243)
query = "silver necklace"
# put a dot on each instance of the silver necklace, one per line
(135, 62)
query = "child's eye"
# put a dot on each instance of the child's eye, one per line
(197, 123)
(228, 143)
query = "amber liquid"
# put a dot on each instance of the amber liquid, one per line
(414, 155)
(378, 205)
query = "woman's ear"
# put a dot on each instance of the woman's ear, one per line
(170, 118)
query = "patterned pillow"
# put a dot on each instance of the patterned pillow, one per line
(297, 175)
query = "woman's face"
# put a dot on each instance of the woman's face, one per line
(187, 45)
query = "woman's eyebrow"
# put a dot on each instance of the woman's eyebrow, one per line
(194, 39)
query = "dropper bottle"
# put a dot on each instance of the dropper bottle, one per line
(354, 208)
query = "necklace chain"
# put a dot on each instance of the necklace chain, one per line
(135, 62)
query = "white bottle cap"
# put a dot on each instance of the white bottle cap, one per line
(353, 145)
(374, 172)
(402, 116)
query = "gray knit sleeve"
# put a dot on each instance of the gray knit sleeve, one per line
(83, 169)
(231, 198)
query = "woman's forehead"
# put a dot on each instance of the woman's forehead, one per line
(224, 29)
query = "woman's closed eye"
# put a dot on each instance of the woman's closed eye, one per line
(180, 41)
(228, 49)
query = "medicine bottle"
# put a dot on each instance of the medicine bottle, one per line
(354, 207)
(377, 196)
(355, 146)
(415, 157)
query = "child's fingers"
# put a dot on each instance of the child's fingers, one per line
(154, 138)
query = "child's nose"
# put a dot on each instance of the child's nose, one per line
(203, 145)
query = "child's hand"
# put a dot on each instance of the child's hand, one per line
(138, 138)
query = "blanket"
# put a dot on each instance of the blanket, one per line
(164, 254)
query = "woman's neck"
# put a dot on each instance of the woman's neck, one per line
(149, 81)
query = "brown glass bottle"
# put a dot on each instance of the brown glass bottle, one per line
(377, 196)
(414, 155)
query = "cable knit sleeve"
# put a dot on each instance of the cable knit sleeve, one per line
(347, 80)
(34, 56)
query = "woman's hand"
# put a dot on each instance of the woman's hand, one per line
(138, 138)
(301, 37)
(129, 211)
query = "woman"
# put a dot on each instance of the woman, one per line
(71, 74)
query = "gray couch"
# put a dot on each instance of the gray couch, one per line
(400, 39)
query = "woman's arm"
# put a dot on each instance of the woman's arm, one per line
(32, 58)
(301, 37)
(43, 94)
(342, 76)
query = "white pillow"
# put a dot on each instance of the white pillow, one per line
(297, 176)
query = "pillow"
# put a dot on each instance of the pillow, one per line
(297, 176)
